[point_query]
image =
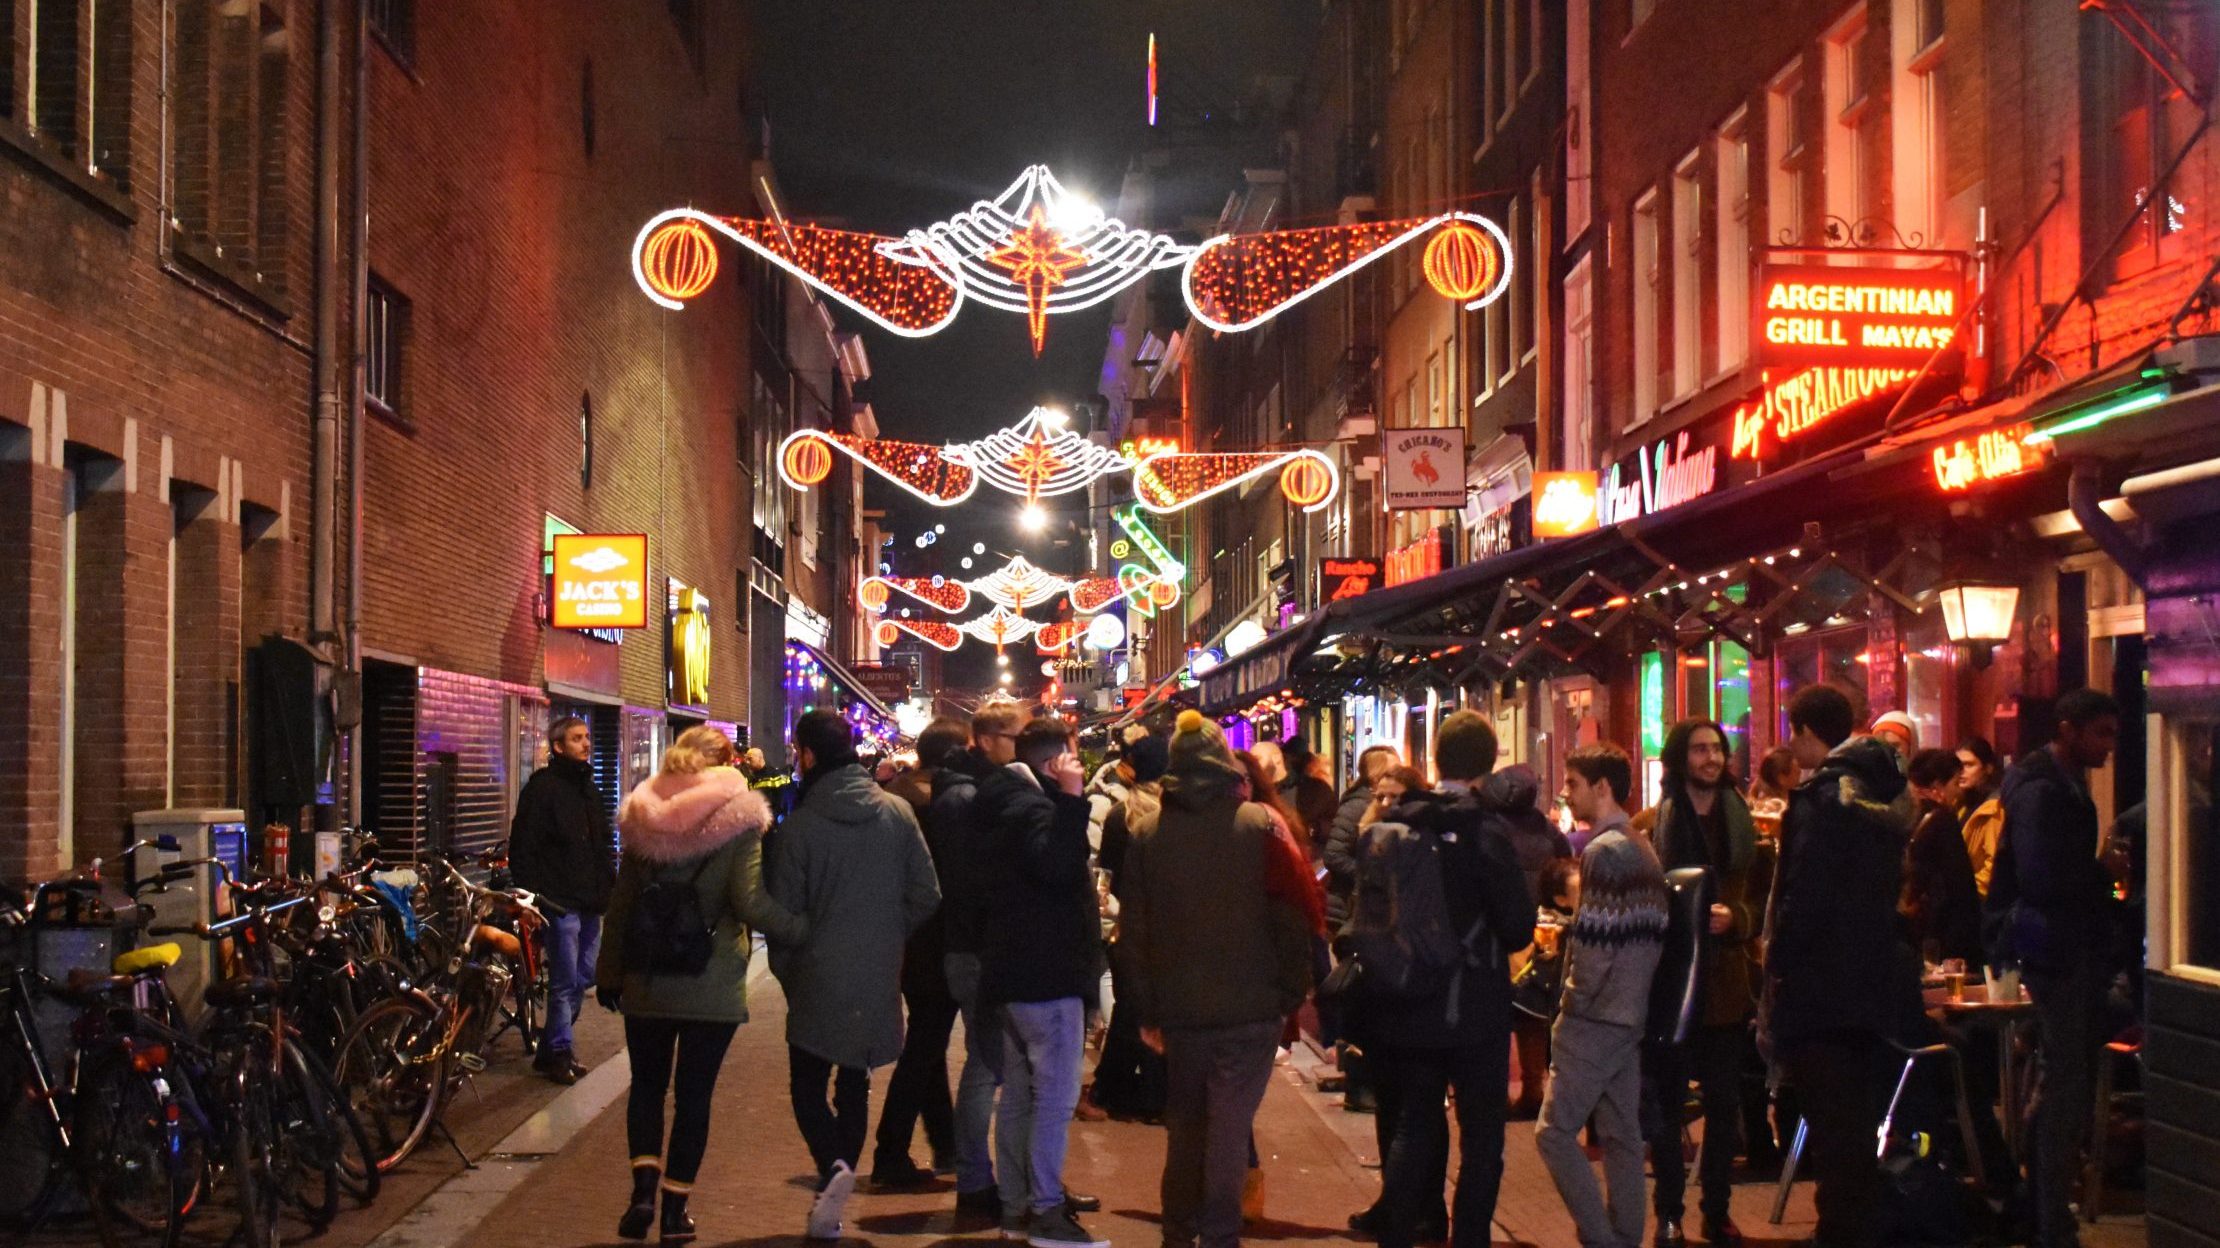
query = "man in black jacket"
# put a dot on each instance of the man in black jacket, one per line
(1039, 962)
(1340, 860)
(1839, 981)
(2052, 897)
(1458, 1037)
(562, 848)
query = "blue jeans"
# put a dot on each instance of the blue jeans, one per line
(975, 1166)
(1041, 1043)
(571, 944)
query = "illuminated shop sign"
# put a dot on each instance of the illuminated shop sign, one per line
(1565, 504)
(1859, 318)
(1788, 409)
(1347, 578)
(1998, 453)
(1420, 559)
(1666, 474)
(688, 667)
(600, 580)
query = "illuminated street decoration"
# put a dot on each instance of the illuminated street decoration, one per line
(931, 473)
(1040, 457)
(1171, 481)
(939, 634)
(1147, 542)
(1000, 627)
(1018, 583)
(1996, 454)
(1040, 250)
(1803, 400)
(939, 593)
(1057, 637)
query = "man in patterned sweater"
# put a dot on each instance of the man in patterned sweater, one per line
(1617, 936)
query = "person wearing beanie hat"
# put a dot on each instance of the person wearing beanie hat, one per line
(1215, 948)
(1900, 732)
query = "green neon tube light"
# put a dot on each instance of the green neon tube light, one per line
(2091, 417)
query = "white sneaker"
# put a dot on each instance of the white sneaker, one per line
(825, 1212)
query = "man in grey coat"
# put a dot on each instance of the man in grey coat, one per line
(852, 859)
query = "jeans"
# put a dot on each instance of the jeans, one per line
(1041, 1043)
(1215, 1079)
(571, 943)
(1713, 1058)
(2069, 1005)
(1412, 1085)
(1595, 1068)
(835, 1132)
(1841, 1080)
(693, 1051)
(919, 1086)
(975, 1166)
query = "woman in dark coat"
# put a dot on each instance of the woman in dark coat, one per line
(1941, 905)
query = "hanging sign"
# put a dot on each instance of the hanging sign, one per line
(600, 580)
(1565, 504)
(1791, 407)
(889, 683)
(1963, 464)
(1423, 468)
(1860, 318)
(1347, 578)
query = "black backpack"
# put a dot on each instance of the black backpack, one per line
(667, 933)
(1401, 943)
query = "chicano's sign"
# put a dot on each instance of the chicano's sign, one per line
(1858, 318)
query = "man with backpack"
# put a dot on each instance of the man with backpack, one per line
(1611, 953)
(1440, 905)
(851, 861)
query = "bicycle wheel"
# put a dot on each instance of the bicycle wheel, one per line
(358, 1165)
(34, 1175)
(256, 1162)
(392, 1071)
(313, 1140)
(141, 1163)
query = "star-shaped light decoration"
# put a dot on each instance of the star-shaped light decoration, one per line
(1035, 463)
(1038, 259)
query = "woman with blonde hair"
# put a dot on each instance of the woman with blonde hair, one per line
(674, 957)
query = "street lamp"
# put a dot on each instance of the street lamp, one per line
(1977, 614)
(1033, 519)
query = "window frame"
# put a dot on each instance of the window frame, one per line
(1647, 244)
(1786, 156)
(1731, 242)
(386, 313)
(1687, 275)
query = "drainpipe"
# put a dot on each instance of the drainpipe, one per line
(324, 451)
(2085, 499)
(358, 221)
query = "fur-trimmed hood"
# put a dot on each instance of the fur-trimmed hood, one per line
(673, 818)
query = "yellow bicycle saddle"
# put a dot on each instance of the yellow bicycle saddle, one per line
(151, 958)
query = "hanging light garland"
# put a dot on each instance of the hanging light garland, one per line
(1170, 481)
(929, 472)
(937, 592)
(1018, 584)
(939, 634)
(1040, 250)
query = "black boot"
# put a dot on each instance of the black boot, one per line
(640, 1214)
(677, 1227)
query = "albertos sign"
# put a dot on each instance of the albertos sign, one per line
(600, 580)
(1863, 318)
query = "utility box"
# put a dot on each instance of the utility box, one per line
(183, 836)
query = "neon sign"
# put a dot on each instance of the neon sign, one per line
(1565, 503)
(1995, 454)
(1666, 475)
(1793, 406)
(1820, 314)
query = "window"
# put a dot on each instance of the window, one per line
(394, 23)
(1688, 281)
(1851, 108)
(1436, 393)
(1530, 267)
(385, 327)
(1731, 174)
(1784, 156)
(232, 69)
(2145, 121)
(1916, 119)
(2188, 768)
(1516, 330)
(75, 80)
(1579, 132)
(1578, 441)
(1514, 47)
(1645, 278)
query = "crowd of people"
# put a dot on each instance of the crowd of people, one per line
(1747, 954)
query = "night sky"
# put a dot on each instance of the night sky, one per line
(891, 114)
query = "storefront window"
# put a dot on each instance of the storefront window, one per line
(2197, 840)
(1730, 678)
(1929, 678)
(1837, 657)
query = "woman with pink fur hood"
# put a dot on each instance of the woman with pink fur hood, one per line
(697, 824)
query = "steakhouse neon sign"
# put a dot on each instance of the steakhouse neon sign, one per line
(1816, 314)
(1793, 406)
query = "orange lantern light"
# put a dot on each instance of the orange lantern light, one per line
(888, 634)
(808, 461)
(1164, 591)
(679, 260)
(1461, 262)
(873, 594)
(1306, 482)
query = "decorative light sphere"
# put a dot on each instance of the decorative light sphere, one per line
(939, 529)
(978, 548)
(1105, 632)
(808, 461)
(1461, 262)
(679, 260)
(873, 595)
(1002, 660)
(1306, 482)
(967, 562)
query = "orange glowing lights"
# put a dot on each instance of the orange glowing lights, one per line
(1038, 260)
(872, 594)
(1461, 263)
(599, 580)
(1868, 318)
(1995, 454)
(1307, 482)
(807, 461)
(1564, 503)
(1790, 407)
(679, 259)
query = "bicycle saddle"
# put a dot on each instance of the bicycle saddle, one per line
(152, 958)
(242, 990)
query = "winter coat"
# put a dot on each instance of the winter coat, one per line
(924, 977)
(1618, 933)
(560, 843)
(1834, 963)
(1106, 792)
(1729, 996)
(1340, 855)
(1208, 937)
(1940, 901)
(1534, 839)
(1983, 825)
(851, 860)
(1313, 802)
(2050, 899)
(1482, 883)
(959, 847)
(675, 826)
(1042, 936)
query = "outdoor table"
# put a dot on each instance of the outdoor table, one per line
(2004, 1017)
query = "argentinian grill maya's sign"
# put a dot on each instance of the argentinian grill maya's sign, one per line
(1862, 318)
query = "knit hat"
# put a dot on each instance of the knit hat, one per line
(1148, 755)
(1199, 748)
(1902, 723)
